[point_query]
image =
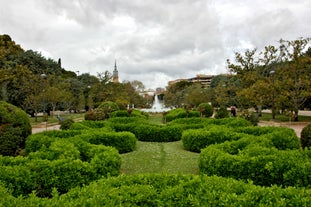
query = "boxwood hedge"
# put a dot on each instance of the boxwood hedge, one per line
(14, 128)
(280, 137)
(62, 166)
(157, 133)
(167, 190)
(264, 166)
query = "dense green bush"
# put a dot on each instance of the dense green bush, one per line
(122, 141)
(257, 158)
(64, 164)
(221, 113)
(250, 116)
(180, 113)
(196, 139)
(193, 113)
(66, 124)
(120, 124)
(120, 113)
(167, 190)
(138, 113)
(206, 109)
(264, 166)
(157, 133)
(305, 136)
(14, 128)
(175, 114)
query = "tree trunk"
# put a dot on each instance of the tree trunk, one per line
(296, 115)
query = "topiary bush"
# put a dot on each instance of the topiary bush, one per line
(120, 113)
(258, 161)
(14, 129)
(222, 112)
(59, 163)
(305, 137)
(157, 133)
(66, 124)
(196, 139)
(122, 141)
(167, 190)
(175, 114)
(206, 109)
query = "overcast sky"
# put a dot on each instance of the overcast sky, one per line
(153, 41)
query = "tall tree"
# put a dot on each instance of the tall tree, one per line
(295, 76)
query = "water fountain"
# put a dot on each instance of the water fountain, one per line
(157, 106)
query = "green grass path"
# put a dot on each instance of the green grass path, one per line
(158, 157)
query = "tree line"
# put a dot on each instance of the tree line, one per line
(35, 84)
(276, 78)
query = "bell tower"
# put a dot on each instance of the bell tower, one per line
(115, 76)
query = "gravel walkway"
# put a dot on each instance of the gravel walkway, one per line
(43, 127)
(296, 126)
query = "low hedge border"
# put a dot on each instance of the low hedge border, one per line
(197, 139)
(64, 165)
(167, 190)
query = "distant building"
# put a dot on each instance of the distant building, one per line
(160, 90)
(115, 75)
(205, 80)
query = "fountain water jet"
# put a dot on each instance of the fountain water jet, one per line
(157, 106)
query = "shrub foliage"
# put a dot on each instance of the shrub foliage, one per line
(306, 136)
(14, 128)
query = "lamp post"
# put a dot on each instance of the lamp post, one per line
(272, 72)
(44, 102)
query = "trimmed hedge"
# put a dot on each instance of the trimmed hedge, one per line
(167, 190)
(196, 139)
(14, 128)
(272, 158)
(264, 166)
(280, 137)
(158, 133)
(122, 141)
(180, 113)
(206, 109)
(306, 136)
(64, 165)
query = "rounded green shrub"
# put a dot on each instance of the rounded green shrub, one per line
(122, 141)
(65, 125)
(222, 112)
(120, 113)
(175, 114)
(206, 109)
(305, 137)
(14, 129)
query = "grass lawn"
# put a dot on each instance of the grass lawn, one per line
(158, 157)
(155, 118)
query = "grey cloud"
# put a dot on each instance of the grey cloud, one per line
(155, 40)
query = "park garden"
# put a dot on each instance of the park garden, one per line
(183, 159)
(116, 155)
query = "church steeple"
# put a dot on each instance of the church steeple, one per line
(115, 76)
